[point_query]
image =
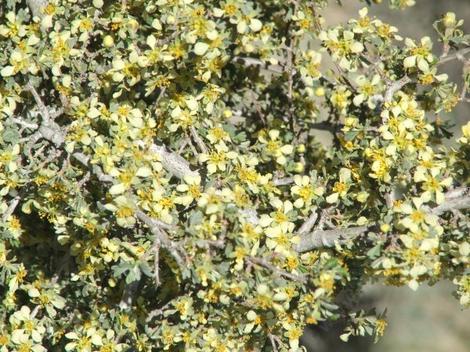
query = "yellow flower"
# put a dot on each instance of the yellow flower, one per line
(293, 333)
(217, 134)
(280, 216)
(305, 191)
(367, 90)
(217, 160)
(191, 188)
(251, 232)
(280, 238)
(340, 98)
(124, 209)
(341, 45)
(419, 55)
(274, 146)
(432, 183)
(340, 188)
(417, 217)
(213, 199)
(465, 139)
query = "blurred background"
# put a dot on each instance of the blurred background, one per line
(430, 319)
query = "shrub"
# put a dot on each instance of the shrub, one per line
(164, 186)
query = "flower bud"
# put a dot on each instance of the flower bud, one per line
(301, 148)
(299, 167)
(449, 20)
(108, 41)
(320, 91)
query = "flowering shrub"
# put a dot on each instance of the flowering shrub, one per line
(163, 185)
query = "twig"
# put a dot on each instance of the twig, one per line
(161, 238)
(220, 243)
(290, 85)
(273, 342)
(327, 238)
(198, 140)
(26, 124)
(459, 55)
(395, 87)
(325, 126)
(157, 312)
(453, 202)
(160, 95)
(85, 160)
(275, 269)
(156, 262)
(290, 72)
(283, 181)
(173, 162)
(309, 223)
(11, 208)
(42, 107)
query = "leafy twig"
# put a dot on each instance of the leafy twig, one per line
(264, 263)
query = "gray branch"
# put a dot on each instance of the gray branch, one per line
(264, 263)
(173, 162)
(161, 238)
(395, 87)
(283, 181)
(308, 225)
(328, 238)
(11, 208)
(458, 55)
(455, 200)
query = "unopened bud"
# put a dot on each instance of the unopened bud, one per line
(320, 91)
(301, 148)
(108, 41)
(299, 167)
(449, 20)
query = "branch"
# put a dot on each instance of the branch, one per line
(161, 238)
(283, 181)
(309, 223)
(273, 342)
(30, 125)
(459, 55)
(173, 162)
(85, 160)
(11, 208)
(198, 140)
(395, 87)
(42, 107)
(454, 200)
(327, 238)
(290, 81)
(325, 126)
(275, 269)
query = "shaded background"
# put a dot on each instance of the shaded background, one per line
(430, 319)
